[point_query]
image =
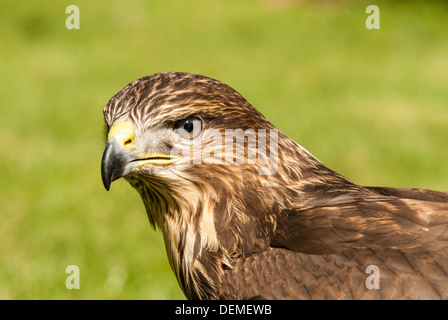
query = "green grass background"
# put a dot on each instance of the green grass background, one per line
(371, 104)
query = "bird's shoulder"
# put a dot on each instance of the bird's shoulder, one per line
(279, 273)
(410, 220)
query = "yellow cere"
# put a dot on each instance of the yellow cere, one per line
(124, 133)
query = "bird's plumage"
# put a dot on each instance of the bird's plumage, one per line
(301, 232)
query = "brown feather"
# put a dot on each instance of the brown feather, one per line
(305, 232)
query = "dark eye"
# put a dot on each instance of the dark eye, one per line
(188, 128)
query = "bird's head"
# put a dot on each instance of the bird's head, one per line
(179, 136)
(204, 160)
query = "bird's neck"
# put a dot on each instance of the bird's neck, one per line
(194, 254)
(207, 225)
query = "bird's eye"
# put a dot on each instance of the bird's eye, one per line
(188, 128)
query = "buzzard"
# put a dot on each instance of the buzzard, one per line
(247, 213)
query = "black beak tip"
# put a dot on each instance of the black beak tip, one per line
(106, 184)
(106, 170)
(105, 176)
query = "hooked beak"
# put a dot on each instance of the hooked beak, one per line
(120, 157)
(114, 164)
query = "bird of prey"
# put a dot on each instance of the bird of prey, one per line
(247, 213)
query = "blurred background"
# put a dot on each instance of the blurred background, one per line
(370, 104)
